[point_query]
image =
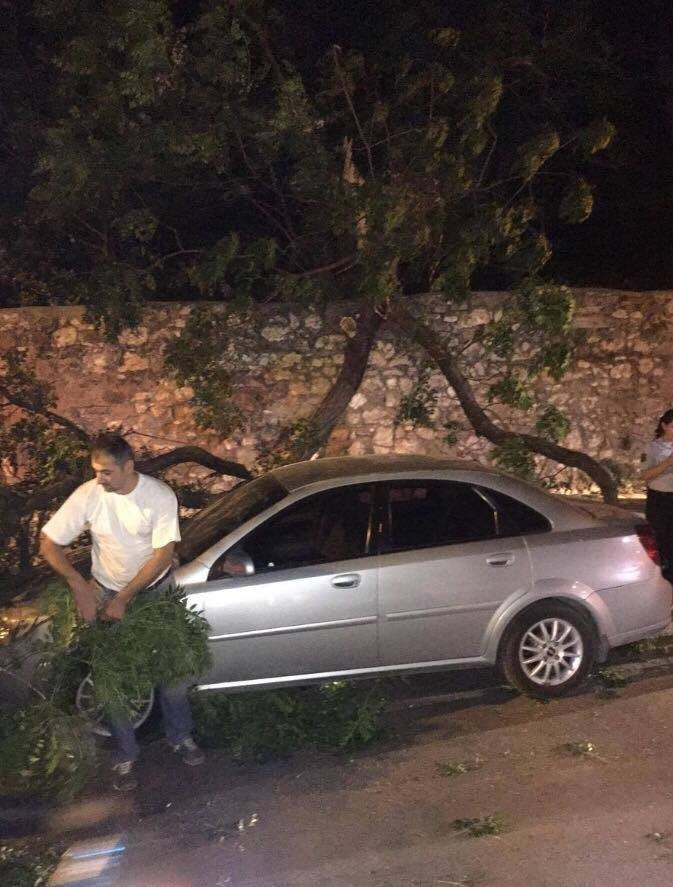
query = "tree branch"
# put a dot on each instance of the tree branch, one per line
(26, 404)
(480, 421)
(289, 447)
(344, 87)
(339, 263)
(193, 454)
(177, 252)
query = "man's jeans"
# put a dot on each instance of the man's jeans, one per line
(175, 708)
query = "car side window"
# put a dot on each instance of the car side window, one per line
(423, 514)
(330, 526)
(514, 518)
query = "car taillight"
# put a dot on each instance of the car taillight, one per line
(648, 541)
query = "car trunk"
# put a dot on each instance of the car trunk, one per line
(612, 514)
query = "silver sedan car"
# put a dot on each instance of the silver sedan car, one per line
(366, 566)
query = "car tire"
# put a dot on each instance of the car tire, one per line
(142, 708)
(547, 650)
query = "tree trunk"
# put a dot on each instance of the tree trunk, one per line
(483, 425)
(302, 439)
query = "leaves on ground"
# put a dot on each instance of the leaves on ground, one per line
(479, 827)
(581, 749)
(337, 714)
(459, 768)
(26, 863)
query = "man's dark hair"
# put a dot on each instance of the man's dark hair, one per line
(112, 445)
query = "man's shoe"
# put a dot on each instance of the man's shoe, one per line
(189, 752)
(124, 780)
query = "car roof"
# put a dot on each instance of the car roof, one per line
(302, 474)
(329, 471)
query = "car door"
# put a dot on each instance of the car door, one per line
(311, 605)
(443, 571)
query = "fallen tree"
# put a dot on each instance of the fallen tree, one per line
(449, 363)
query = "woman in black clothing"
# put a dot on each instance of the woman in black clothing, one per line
(658, 475)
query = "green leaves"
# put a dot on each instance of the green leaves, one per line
(514, 456)
(447, 38)
(545, 307)
(140, 224)
(199, 359)
(479, 826)
(577, 202)
(552, 424)
(46, 750)
(209, 274)
(19, 379)
(63, 169)
(114, 295)
(597, 136)
(487, 92)
(419, 404)
(338, 715)
(159, 641)
(232, 269)
(532, 156)
(511, 391)
(293, 121)
(28, 862)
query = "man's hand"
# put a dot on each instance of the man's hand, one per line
(84, 592)
(115, 608)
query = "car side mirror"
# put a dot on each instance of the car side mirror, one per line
(237, 563)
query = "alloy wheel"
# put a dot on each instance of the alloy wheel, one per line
(551, 651)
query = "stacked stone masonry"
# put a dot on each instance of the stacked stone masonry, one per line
(283, 361)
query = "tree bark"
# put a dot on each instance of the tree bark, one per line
(293, 447)
(193, 454)
(44, 498)
(483, 425)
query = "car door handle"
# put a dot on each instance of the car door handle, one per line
(346, 580)
(501, 559)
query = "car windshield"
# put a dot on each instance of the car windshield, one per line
(228, 512)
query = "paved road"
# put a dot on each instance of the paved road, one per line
(384, 818)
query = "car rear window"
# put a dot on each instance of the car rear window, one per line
(514, 518)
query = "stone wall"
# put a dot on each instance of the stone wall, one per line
(285, 362)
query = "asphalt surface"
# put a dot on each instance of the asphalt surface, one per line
(578, 792)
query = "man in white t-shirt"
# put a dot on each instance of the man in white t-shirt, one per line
(133, 521)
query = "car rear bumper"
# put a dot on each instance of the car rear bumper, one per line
(634, 611)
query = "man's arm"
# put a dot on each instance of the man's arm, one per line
(153, 567)
(83, 592)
